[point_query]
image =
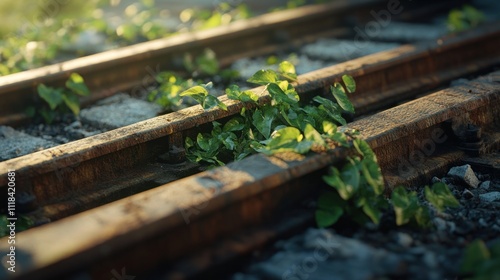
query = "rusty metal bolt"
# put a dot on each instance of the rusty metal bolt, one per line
(176, 155)
(472, 133)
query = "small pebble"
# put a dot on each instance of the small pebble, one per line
(430, 259)
(482, 222)
(490, 197)
(467, 194)
(440, 224)
(464, 174)
(485, 185)
(435, 180)
(404, 239)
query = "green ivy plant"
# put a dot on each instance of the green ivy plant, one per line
(207, 65)
(283, 125)
(465, 18)
(479, 262)
(201, 95)
(62, 100)
(359, 186)
(171, 84)
(167, 93)
(359, 191)
(408, 209)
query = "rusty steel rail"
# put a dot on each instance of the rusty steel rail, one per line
(157, 227)
(69, 178)
(134, 67)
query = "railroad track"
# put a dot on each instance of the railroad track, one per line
(165, 202)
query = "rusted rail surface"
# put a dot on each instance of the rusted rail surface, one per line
(146, 230)
(83, 174)
(134, 67)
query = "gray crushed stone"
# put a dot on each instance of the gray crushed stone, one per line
(342, 50)
(15, 143)
(490, 197)
(117, 111)
(464, 175)
(410, 32)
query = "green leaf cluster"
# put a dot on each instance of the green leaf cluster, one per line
(170, 85)
(408, 208)
(23, 223)
(224, 13)
(201, 95)
(167, 93)
(479, 262)
(283, 125)
(232, 140)
(60, 100)
(358, 190)
(440, 196)
(359, 187)
(207, 65)
(465, 18)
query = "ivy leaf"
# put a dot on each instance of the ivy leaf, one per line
(334, 179)
(475, 254)
(249, 95)
(405, 205)
(440, 196)
(77, 85)
(351, 177)
(349, 83)
(188, 143)
(303, 147)
(287, 70)
(326, 218)
(228, 139)
(313, 135)
(263, 118)
(341, 138)
(208, 144)
(263, 77)
(330, 109)
(287, 139)
(279, 96)
(329, 128)
(364, 149)
(284, 136)
(52, 96)
(338, 92)
(330, 209)
(234, 124)
(234, 92)
(373, 175)
(372, 212)
(72, 102)
(211, 101)
(207, 62)
(289, 91)
(197, 92)
(423, 217)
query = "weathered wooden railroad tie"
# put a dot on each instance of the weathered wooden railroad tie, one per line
(80, 175)
(159, 226)
(128, 198)
(133, 68)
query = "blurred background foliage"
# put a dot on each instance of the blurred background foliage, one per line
(40, 32)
